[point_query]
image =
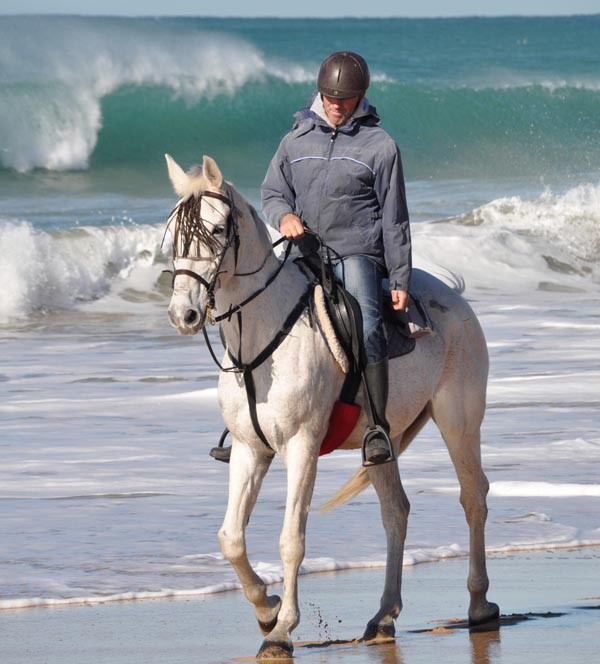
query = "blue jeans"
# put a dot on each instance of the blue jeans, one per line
(362, 276)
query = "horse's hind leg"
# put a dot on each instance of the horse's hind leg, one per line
(394, 512)
(246, 472)
(458, 412)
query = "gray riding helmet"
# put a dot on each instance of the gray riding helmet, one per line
(343, 75)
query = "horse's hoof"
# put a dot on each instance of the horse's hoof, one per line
(275, 650)
(487, 614)
(379, 632)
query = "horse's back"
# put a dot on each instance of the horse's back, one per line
(439, 297)
(456, 327)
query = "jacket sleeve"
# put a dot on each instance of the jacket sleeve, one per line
(278, 197)
(390, 191)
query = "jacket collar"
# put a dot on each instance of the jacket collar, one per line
(314, 114)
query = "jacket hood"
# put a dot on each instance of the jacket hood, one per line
(314, 113)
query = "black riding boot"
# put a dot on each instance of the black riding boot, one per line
(377, 446)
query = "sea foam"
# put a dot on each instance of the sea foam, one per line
(507, 243)
(47, 271)
(548, 241)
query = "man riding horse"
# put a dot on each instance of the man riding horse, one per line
(339, 173)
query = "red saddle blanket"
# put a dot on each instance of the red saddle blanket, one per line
(344, 417)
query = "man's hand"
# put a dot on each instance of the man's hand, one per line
(291, 226)
(399, 300)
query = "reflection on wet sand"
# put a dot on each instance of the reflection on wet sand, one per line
(485, 647)
(389, 653)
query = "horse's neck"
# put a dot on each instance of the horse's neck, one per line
(264, 316)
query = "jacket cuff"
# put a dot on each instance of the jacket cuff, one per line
(276, 213)
(400, 284)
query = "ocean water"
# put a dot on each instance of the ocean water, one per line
(106, 488)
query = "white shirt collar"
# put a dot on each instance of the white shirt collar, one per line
(318, 108)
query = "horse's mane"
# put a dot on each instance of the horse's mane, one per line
(242, 204)
(190, 230)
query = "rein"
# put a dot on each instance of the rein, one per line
(246, 368)
(238, 366)
(232, 238)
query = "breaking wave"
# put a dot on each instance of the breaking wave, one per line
(44, 271)
(549, 242)
(52, 85)
(83, 93)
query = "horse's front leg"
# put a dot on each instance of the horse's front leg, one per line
(394, 512)
(301, 460)
(246, 471)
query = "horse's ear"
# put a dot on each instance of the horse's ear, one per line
(178, 177)
(211, 171)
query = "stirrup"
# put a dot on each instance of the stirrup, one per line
(384, 452)
(221, 453)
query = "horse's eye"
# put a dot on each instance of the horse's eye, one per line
(218, 231)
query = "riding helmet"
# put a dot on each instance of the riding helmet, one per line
(343, 75)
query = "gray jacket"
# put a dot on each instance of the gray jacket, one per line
(345, 184)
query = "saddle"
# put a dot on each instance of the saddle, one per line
(343, 313)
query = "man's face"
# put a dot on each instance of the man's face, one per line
(339, 110)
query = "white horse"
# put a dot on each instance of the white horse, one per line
(223, 257)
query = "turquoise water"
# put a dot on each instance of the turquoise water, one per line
(497, 120)
(464, 98)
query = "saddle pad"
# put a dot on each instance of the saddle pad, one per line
(398, 343)
(403, 328)
(396, 328)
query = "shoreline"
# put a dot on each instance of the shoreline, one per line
(24, 604)
(538, 593)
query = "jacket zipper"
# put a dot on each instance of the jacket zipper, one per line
(334, 133)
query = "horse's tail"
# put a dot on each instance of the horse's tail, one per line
(357, 483)
(360, 480)
(455, 281)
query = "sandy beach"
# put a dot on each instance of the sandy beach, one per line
(550, 603)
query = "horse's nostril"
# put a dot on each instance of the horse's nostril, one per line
(191, 316)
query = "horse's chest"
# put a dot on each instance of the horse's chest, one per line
(286, 396)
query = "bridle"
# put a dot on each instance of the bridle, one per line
(232, 238)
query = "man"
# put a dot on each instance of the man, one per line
(340, 174)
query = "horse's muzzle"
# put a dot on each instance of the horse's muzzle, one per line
(187, 319)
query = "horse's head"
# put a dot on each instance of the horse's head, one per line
(204, 242)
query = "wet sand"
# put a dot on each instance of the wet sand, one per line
(550, 605)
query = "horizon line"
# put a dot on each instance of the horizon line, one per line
(297, 17)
